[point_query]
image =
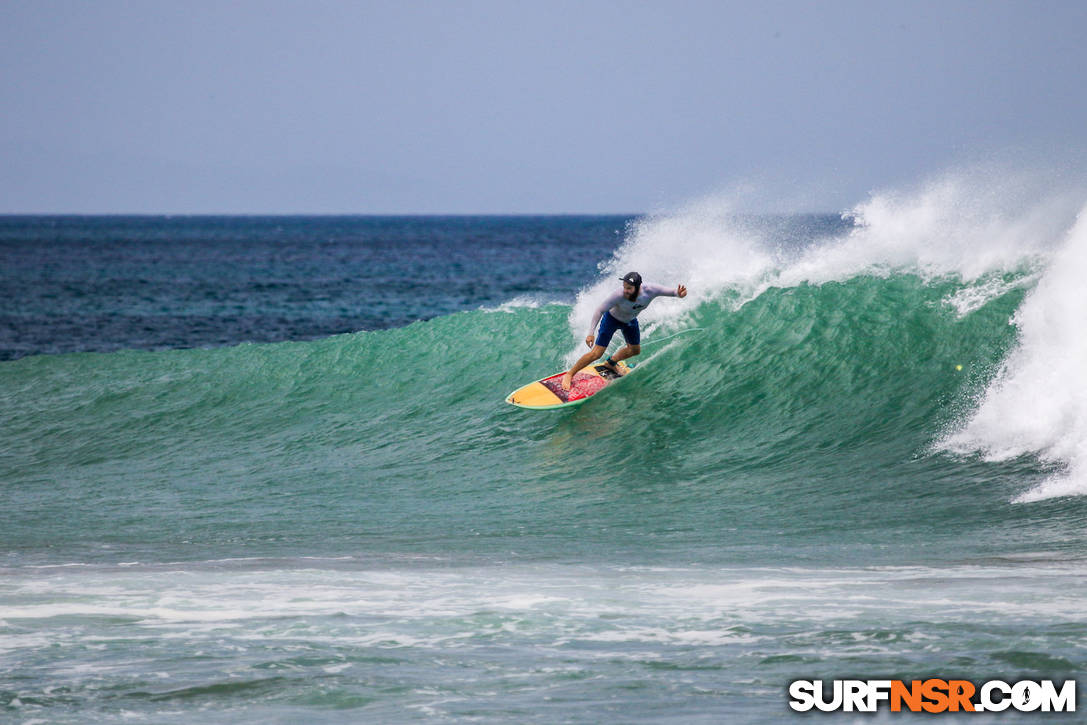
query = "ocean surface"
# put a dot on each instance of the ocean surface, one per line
(260, 470)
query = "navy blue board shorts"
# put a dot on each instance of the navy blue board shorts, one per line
(608, 326)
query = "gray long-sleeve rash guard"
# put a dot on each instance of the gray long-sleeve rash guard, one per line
(624, 309)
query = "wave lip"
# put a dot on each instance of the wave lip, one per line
(1037, 404)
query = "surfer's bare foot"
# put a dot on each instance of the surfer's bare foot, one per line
(567, 381)
(614, 367)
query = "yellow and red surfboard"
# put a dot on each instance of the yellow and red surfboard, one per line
(547, 393)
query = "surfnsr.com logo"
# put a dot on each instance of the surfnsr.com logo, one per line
(932, 695)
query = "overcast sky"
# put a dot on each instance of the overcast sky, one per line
(511, 107)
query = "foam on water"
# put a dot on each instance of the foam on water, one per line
(589, 599)
(973, 297)
(1038, 402)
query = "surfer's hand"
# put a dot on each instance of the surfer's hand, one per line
(681, 291)
(589, 340)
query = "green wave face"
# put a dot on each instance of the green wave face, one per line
(785, 421)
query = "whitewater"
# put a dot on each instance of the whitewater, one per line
(858, 448)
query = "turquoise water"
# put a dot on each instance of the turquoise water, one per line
(356, 528)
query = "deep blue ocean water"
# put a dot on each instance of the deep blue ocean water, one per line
(259, 469)
(109, 283)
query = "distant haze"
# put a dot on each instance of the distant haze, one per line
(518, 107)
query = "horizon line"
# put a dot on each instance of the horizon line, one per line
(520, 214)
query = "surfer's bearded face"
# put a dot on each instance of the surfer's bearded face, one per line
(629, 290)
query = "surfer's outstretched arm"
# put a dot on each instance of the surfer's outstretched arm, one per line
(658, 291)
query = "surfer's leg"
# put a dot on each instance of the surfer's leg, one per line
(608, 326)
(583, 361)
(633, 336)
(628, 351)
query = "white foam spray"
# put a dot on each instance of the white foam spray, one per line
(969, 224)
(703, 246)
(1038, 403)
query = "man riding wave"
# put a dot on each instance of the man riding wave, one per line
(619, 312)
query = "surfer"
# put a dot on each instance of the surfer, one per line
(619, 312)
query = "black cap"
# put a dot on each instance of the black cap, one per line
(633, 278)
